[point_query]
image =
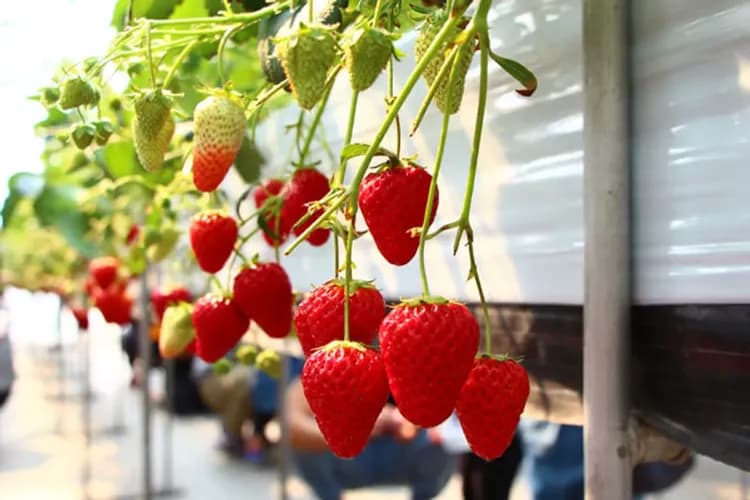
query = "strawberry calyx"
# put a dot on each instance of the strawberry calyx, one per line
(343, 344)
(501, 357)
(354, 285)
(418, 301)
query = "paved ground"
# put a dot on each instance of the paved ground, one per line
(42, 448)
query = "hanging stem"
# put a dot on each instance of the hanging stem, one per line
(348, 275)
(152, 71)
(310, 11)
(176, 63)
(433, 184)
(464, 222)
(316, 118)
(338, 178)
(376, 14)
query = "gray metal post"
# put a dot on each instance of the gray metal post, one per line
(285, 451)
(144, 343)
(86, 409)
(607, 255)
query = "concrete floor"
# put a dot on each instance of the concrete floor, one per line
(43, 452)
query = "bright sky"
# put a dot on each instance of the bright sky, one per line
(36, 37)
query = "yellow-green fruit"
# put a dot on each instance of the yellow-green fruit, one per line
(247, 354)
(427, 33)
(269, 362)
(176, 329)
(365, 56)
(153, 127)
(77, 91)
(307, 55)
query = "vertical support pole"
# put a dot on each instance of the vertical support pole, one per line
(607, 253)
(144, 344)
(285, 451)
(86, 407)
(169, 365)
(61, 386)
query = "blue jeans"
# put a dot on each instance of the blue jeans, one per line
(554, 457)
(423, 466)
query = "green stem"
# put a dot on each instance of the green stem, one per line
(474, 271)
(189, 32)
(484, 42)
(389, 98)
(447, 65)
(348, 275)
(376, 14)
(433, 184)
(310, 12)
(338, 178)
(176, 63)
(316, 119)
(222, 46)
(152, 71)
(431, 51)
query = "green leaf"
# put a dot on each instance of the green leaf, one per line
(519, 72)
(353, 150)
(359, 149)
(57, 206)
(118, 159)
(191, 8)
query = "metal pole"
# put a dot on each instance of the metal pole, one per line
(168, 423)
(144, 344)
(285, 450)
(607, 302)
(86, 474)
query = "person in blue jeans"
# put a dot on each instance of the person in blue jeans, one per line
(398, 453)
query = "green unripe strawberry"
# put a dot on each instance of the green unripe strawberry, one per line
(455, 91)
(77, 91)
(153, 127)
(103, 132)
(82, 135)
(177, 329)
(222, 366)
(427, 33)
(247, 354)
(49, 96)
(307, 55)
(366, 55)
(269, 362)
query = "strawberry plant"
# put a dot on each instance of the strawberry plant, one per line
(157, 156)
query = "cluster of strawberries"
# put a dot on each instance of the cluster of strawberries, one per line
(107, 289)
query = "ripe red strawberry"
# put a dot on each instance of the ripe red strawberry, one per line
(393, 202)
(490, 404)
(219, 325)
(319, 319)
(219, 127)
(428, 350)
(278, 234)
(264, 294)
(103, 270)
(212, 237)
(346, 388)
(114, 303)
(82, 317)
(163, 298)
(307, 185)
